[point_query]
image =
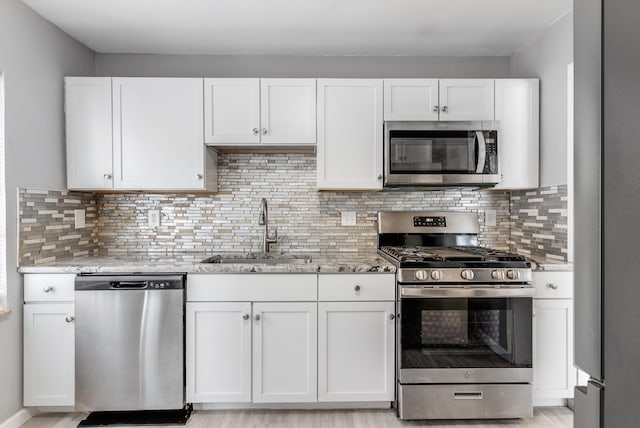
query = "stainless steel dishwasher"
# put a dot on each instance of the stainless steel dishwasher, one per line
(129, 342)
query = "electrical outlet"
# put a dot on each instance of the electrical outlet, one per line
(79, 218)
(348, 218)
(490, 218)
(154, 218)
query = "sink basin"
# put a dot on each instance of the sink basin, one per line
(262, 260)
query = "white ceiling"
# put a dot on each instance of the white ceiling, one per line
(304, 27)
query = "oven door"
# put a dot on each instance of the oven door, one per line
(460, 335)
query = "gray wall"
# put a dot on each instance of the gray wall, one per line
(298, 66)
(547, 58)
(34, 57)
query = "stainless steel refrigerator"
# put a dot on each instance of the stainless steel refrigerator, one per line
(607, 211)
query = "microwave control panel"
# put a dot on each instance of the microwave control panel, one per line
(420, 221)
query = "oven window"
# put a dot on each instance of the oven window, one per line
(466, 333)
(435, 152)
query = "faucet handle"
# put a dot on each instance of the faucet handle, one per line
(274, 239)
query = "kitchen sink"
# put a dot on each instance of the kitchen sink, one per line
(275, 259)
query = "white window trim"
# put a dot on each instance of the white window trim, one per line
(3, 207)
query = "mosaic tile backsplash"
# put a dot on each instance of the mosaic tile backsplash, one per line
(539, 222)
(307, 221)
(46, 225)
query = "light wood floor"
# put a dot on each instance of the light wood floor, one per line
(550, 417)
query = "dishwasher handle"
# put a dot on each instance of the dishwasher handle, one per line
(129, 285)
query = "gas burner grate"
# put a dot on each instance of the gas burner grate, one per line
(491, 254)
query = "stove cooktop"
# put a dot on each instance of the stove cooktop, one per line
(452, 257)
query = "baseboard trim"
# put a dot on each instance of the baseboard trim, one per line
(16, 420)
(294, 406)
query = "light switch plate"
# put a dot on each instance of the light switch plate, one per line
(490, 218)
(79, 218)
(348, 218)
(154, 218)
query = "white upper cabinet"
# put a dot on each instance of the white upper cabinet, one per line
(88, 131)
(288, 111)
(158, 141)
(232, 111)
(260, 112)
(411, 99)
(136, 134)
(349, 134)
(517, 111)
(466, 99)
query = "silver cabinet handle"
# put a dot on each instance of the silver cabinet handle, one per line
(199, 176)
(357, 288)
(255, 131)
(47, 289)
(245, 317)
(379, 176)
(445, 109)
(436, 109)
(552, 286)
(264, 131)
(257, 317)
(70, 318)
(392, 317)
(107, 176)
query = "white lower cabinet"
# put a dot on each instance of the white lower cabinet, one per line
(285, 352)
(218, 357)
(265, 338)
(356, 343)
(554, 375)
(49, 340)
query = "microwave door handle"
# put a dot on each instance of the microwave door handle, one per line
(482, 152)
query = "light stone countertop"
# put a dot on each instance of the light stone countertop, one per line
(191, 263)
(549, 265)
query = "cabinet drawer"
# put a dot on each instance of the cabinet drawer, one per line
(353, 287)
(49, 287)
(553, 285)
(252, 287)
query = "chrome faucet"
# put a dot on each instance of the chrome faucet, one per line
(264, 221)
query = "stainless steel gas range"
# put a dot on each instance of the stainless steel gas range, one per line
(464, 336)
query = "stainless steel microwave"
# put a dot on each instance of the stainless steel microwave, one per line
(441, 154)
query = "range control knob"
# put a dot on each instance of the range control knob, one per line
(513, 274)
(436, 275)
(421, 275)
(467, 274)
(496, 274)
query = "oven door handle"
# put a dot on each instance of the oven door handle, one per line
(421, 292)
(482, 152)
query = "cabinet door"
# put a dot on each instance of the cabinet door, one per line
(218, 352)
(553, 372)
(49, 354)
(466, 99)
(288, 111)
(158, 141)
(349, 134)
(231, 111)
(517, 110)
(411, 99)
(355, 351)
(88, 132)
(285, 352)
